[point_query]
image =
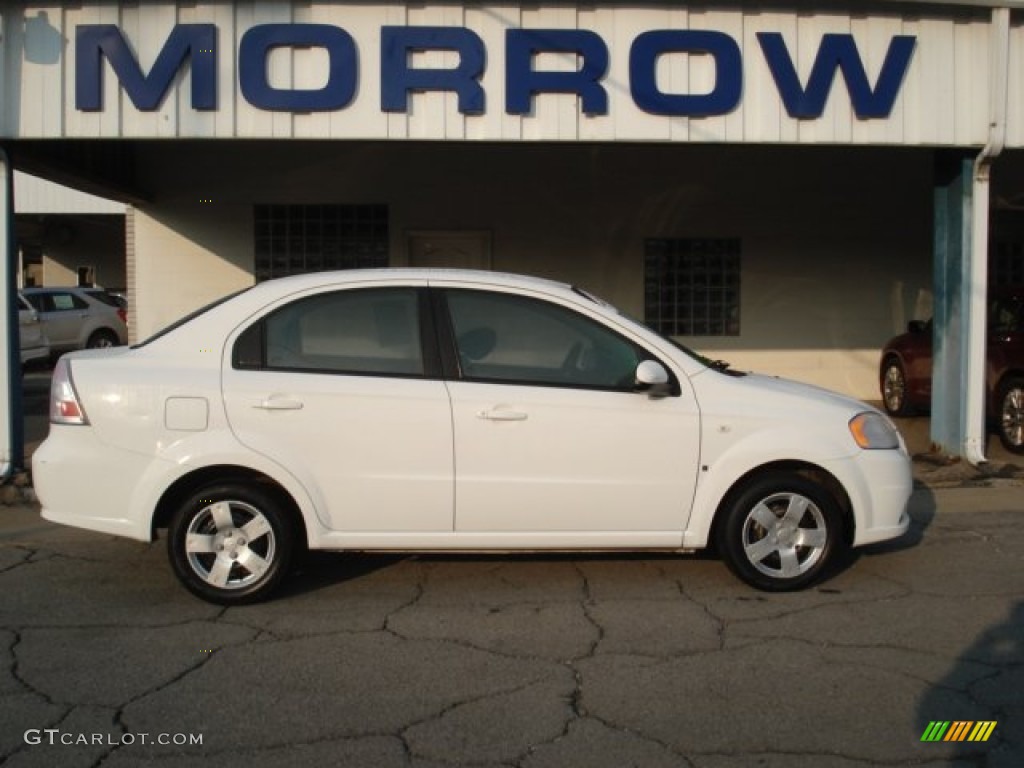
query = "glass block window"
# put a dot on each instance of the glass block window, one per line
(692, 286)
(292, 239)
(1006, 264)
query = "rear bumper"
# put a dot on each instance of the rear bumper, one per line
(83, 483)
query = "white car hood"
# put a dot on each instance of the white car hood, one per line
(772, 390)
(766, 414)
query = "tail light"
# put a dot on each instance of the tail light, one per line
(123, 314)
(65, 407)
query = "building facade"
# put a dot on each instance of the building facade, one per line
(770, 183)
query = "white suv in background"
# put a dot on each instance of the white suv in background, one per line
(34, 344)
(78, 318)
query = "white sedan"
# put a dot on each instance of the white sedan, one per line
(454, 411)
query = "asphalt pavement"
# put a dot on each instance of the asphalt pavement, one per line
(531, 661)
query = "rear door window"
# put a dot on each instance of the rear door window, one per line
(366, 331)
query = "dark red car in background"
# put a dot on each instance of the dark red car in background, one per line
(905, 375)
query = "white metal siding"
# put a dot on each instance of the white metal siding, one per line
(34, 195)
(943, 100)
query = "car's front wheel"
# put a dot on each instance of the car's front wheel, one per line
(230, 543)
(1011, 415)
(780, 531)
(894, 388)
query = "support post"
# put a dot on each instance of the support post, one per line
(953, 216)
(12, 445)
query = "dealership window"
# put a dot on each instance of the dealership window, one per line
(293, 239)
(692, 286)
(1006, 264)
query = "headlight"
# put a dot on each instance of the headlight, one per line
(873, 432)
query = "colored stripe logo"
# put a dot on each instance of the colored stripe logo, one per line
(958, 730)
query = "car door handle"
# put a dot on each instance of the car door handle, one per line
(279, 404)
(499, 415)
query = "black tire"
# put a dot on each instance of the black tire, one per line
(780, 531)
(1010, 415)
(231, 543)
(101, 339)
(893, 385)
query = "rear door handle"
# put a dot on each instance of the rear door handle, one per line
(273, 403)
(500, 415)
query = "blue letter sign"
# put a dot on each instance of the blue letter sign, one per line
(837, 52)
(195, 45)
(522, 81)
(397, 78)
(643, 58)
(255, 47)
(94, 41)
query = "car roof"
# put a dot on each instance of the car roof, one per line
(406, 274)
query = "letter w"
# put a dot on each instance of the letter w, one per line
(837, 52)
(93, 42)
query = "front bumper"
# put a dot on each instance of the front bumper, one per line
(879, 484)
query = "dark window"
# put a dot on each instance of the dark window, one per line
(1006, 314)
(513, 339)
(106, 298)
(56, 302)
(692, 286)
(373, 331)
(1006, 264)
(293, 239)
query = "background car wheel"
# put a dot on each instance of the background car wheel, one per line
(101, 339)
(780, 532)
(230, 544)
(1011, 415)
(894, 388)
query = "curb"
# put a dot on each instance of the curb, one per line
(933, 470)
(18, 489)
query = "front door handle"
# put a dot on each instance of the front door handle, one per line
(500, 415)
(273, 403)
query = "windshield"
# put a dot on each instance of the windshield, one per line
(718, 365)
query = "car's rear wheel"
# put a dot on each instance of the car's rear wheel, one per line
(102, 339)
(780, 532)
(230, 543)
(894, 388)
(1011, 415)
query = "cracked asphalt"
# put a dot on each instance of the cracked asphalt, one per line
(529, 661)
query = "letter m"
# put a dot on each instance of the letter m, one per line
(837, 52)
(93, 42)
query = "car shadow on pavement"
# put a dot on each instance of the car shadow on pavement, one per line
(975, 713)
(316, 570)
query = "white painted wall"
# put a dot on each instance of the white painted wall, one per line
(185, 258)
(71, 241)
(836, 242)
(35, 195)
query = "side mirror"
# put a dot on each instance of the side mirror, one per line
(652, 378)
